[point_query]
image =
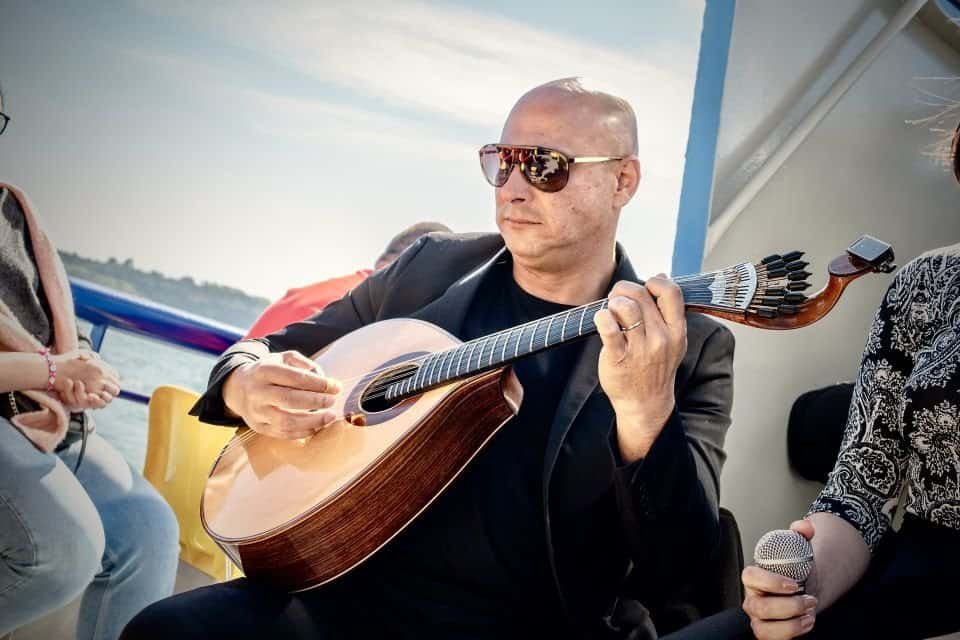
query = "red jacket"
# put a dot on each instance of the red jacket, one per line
(299, 304)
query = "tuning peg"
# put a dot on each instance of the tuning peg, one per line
(794, 298)
(776, 264)
(793, 255)
(787, 309)
(798, 264)
(771, 301)
(766, 312)
(776, 273)
(770, 259)
(798, 286)
(774, 291)
(798, 275)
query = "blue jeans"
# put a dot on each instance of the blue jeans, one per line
(104, 532)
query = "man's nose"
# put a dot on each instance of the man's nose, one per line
(516, 187)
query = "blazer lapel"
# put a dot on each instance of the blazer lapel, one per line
(582, 382)
(449, 310)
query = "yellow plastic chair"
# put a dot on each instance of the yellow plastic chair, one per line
(180, 452)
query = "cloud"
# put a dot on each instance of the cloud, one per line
(306, 120)
(433, 61)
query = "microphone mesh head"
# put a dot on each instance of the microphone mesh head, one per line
(786, 553)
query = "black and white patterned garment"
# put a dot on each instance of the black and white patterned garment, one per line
(904, 420)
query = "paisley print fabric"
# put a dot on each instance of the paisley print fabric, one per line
(903, 429)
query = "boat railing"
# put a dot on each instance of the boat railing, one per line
(106, 308)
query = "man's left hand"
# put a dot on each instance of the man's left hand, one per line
(644, 334)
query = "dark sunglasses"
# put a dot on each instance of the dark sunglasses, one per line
(545, 169)
(4, 119)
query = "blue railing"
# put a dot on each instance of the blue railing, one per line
(105, 308)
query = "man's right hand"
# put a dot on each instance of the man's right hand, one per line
(776, 612)
(283, 395)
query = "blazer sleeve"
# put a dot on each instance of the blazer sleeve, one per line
(360, 306)
(669, 499)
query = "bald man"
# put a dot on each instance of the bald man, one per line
(611, 465)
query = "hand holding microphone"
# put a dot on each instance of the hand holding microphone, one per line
(777, 600)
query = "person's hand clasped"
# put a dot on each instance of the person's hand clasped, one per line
(644, 334)
(776, 611)
(283, 395)
(84, 381)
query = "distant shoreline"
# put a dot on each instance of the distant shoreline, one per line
(218, 302)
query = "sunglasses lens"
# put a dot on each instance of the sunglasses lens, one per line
(545, 169)
(496, 164)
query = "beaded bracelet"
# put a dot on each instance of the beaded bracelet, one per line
(51, 367)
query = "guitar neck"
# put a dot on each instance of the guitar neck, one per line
(767, 294)
(507, 346)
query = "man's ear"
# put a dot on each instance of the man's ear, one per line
(627, 181)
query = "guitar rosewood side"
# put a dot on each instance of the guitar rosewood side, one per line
(332, 540)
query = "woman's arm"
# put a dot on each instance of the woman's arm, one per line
(840, 553)
(82, 380)
(22, 371)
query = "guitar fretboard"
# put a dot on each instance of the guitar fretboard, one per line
(498, 349)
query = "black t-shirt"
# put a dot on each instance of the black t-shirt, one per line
(475, 563)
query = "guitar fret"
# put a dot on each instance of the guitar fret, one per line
(521, 340)
(492, 349)
(447, 361)
(438, 369)
(422, 372)
(473, 349)
(563, 327)
(478, 347)
(450, 363)
(418, 376)
(533, 334)
(503, 351)
(462, 349)
(546, 336)
(482, 347)
(432, 363)
(516, 349)
(430, 369)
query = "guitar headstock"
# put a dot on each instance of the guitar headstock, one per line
(772, 297)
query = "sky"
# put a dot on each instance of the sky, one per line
(267, 145)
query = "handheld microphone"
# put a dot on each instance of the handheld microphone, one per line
(785, 553)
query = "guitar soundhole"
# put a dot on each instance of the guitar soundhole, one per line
(374, 398)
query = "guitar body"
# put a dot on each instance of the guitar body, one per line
(299, 513)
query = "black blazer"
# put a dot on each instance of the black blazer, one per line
(656, 517)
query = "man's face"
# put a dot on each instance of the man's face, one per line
(553, 229)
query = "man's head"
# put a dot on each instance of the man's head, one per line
(548, 230)
(404, 239)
